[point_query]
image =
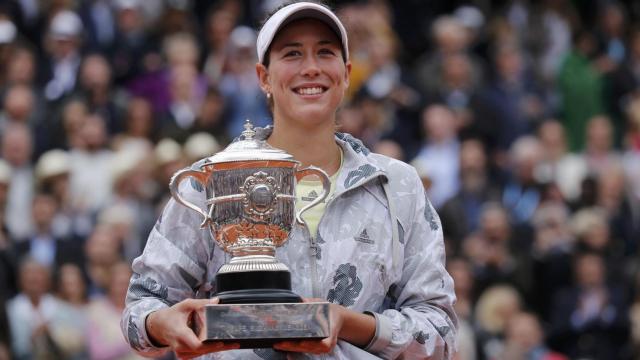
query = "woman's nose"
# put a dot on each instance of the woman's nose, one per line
(310, 66)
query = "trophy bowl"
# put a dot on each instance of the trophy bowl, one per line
(250, 211)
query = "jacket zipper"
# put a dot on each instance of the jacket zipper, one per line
(314, 262)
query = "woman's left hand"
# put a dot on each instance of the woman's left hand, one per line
(323, 346)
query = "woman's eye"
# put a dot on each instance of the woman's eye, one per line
(326, 52)
(292, 53)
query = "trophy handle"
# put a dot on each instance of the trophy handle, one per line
(174, 184)
(326, 187)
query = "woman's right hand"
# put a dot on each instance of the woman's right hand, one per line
(171, 327)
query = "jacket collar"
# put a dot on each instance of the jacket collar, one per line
(357, 166)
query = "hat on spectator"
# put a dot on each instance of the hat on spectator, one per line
(296, 11)
(52, 163)
(242, 37)
(126, 160)
(167, 151)
(116, 214)
(65, 24)
(469, 16)
(126, 4)
(5, 172)
(7, 32)
(201, 145)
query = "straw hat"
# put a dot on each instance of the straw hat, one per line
(53, 163)
(166, 151)
(201, 145)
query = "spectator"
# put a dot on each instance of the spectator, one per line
(95, 88)
(559, 166)
(522, 193)
(598, 152)
(552, 249)
(91, 178)
(591, 310)
(140, 127)
(524, 339)
(440, 153)
(461, 214)
(43, 245)
(17, 147)
(496, 306)
(239, 85)
(102, 250)
(71, 286)
(63, 58)
(52, 177)
(103, 334)
(580, 86)
(514, 95)
(42, 325)
(462, 275)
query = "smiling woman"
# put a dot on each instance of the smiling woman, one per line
(374, 249)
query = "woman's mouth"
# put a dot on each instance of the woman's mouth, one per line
(313, 90)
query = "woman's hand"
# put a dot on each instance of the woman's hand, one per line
(171, 327)
(356, 328)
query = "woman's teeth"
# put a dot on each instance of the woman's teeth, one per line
(310, 91)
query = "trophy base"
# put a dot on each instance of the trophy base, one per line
(262, 325)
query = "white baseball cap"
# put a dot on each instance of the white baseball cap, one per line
(295, 11)
(7, 31)
(65, 24)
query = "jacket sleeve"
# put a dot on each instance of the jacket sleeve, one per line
(172, 267)
(419, 322)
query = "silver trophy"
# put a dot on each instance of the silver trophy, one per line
(250, 207)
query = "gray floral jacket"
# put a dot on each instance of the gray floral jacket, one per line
(379, 249)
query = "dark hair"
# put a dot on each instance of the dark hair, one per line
(265, 59)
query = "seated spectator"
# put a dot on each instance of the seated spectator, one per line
(41, 325)
(552, 249)
(43, 244)
(494, 309)
(102, 249)
(590, 318)
(440, 153)
(522, 193)
(104, 337)
(495, 254)
(524, 339)
(599, 152)
(559, 166)
(462, 275)
(71, 286)
(461, 214)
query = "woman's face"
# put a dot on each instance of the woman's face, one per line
(307, 76)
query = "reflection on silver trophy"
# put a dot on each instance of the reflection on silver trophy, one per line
(250, 206)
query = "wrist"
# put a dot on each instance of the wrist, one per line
(150, 324)
(355, 328)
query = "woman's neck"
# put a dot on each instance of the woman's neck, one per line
(311, 146)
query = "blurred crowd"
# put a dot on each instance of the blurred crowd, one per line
(521, 117)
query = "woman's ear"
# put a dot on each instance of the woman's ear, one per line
(347, 73)
(263, 77)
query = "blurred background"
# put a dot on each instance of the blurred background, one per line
(521, 117)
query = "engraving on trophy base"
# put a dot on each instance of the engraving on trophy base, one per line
(262, 325)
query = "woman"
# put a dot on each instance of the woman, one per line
(375, 251)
